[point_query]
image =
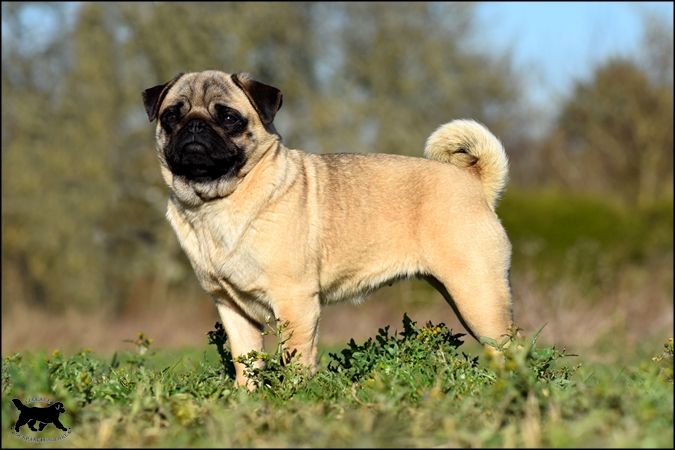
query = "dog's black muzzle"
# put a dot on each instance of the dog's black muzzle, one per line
(199, 153)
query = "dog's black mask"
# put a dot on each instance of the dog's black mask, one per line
(198, 153)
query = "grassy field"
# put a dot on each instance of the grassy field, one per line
(416, 386)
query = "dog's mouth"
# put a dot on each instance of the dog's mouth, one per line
(193, 147)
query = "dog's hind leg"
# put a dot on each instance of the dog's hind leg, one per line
(42, 425)
(475, 283)
(484, 310)
(31, 424)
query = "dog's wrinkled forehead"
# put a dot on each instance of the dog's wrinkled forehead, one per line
(200, 89)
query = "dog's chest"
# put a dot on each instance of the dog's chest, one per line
(213, 242)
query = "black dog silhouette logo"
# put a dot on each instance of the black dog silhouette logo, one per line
(41, 416)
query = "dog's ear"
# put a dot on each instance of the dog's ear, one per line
(152, 97)
(265, 99)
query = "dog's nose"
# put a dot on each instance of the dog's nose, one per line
(196, 126)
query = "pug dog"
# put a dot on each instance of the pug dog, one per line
(277, 233)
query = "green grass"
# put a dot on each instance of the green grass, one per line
(413, 388)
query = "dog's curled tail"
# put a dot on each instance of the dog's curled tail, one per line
(18, 404)
(469, 144)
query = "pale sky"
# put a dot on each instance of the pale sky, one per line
(559, 42)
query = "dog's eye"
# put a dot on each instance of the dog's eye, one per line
(229, 119)
(226, 116)
(171, 115)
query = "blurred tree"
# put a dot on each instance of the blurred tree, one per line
(615, 135)
(28, 107)
(657, 48)
(60, 187)
(400, 70)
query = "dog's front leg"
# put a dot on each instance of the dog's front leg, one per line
(244, 335)
(21, 422)
(59, 425)
(299, 317)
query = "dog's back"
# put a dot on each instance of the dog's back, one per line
(46, 414)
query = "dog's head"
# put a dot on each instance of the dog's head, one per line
(58, 407)
(212, 126)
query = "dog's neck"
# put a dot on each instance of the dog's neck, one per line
(194, 194)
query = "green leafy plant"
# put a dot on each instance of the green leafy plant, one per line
(276, 372)
(218, 337)
(411, 345)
